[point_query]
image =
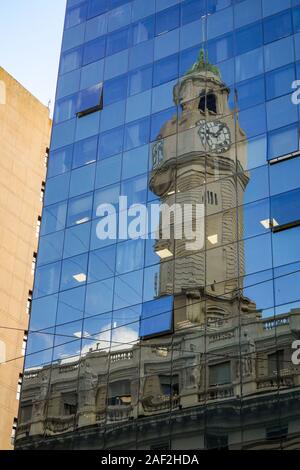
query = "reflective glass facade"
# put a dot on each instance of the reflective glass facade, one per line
(142, 342)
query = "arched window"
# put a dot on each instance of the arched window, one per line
(208, 102)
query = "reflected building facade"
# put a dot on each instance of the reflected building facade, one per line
(146, 343)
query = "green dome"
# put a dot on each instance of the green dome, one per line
(203, 65)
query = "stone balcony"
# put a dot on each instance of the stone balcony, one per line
(218, 392)
(160, 403)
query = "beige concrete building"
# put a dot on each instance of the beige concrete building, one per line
(24, 137)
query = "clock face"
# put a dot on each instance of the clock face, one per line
(215, 135)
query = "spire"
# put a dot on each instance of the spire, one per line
(203, 65)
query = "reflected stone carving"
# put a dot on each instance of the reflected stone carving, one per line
(87, 387)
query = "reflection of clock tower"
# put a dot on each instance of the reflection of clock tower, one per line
(200, 157)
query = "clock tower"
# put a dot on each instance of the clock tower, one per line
(199, 157)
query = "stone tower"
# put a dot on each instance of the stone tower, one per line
(199, 157)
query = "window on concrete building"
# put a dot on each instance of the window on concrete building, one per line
(219, 374)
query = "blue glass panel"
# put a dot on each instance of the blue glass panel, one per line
(108, 171)
(247, 12)
(74, 272)
(85, 152)
(128, 290)
(50, 248)
(269, 8)
(249, 65)
(77, 240)
(82, 180)
(118, 41)
(65, 109)
(96, 27)
(111, 143)
(167, 44)
(60, 161)
(283, 141)
(279, 53)
(285, 176)
(157, 317)
(94, 50)
(70, 305)
(281, 112)
(167, 20)
(96, 7)
(116, 64)
(80, 209)
(136, 134)
(141, 54)
(279, 81)
(119, 17)
(296, 19)
(71, 60)
(278, 26)
(286, 246)
(285, 208)
(251, 92)
(43, 312)
(57, 189)
(143, 30)
(140, 80)
(87, 125)
(47, 279)
(76, 15)
(220, 49)
(130, 256)
(92, 74)
(54, 218)
(193, 9)
(102, 264)
(165, 70)
(115, 90)
(73, 37)
(68, 83)
(248, 38)
(108, 195)
(135, 162)
(99, 297)
(135, 189)
(253, 120)
(219, 23)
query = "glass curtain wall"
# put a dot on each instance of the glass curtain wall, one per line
(177, 103)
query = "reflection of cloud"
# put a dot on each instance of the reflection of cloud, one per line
(119, 338)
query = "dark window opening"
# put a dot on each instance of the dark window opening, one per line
(26, 412)
(119, 393)
(209, 103)
(275, 362)
(169, 384)
(220, 374)
(69, 404)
